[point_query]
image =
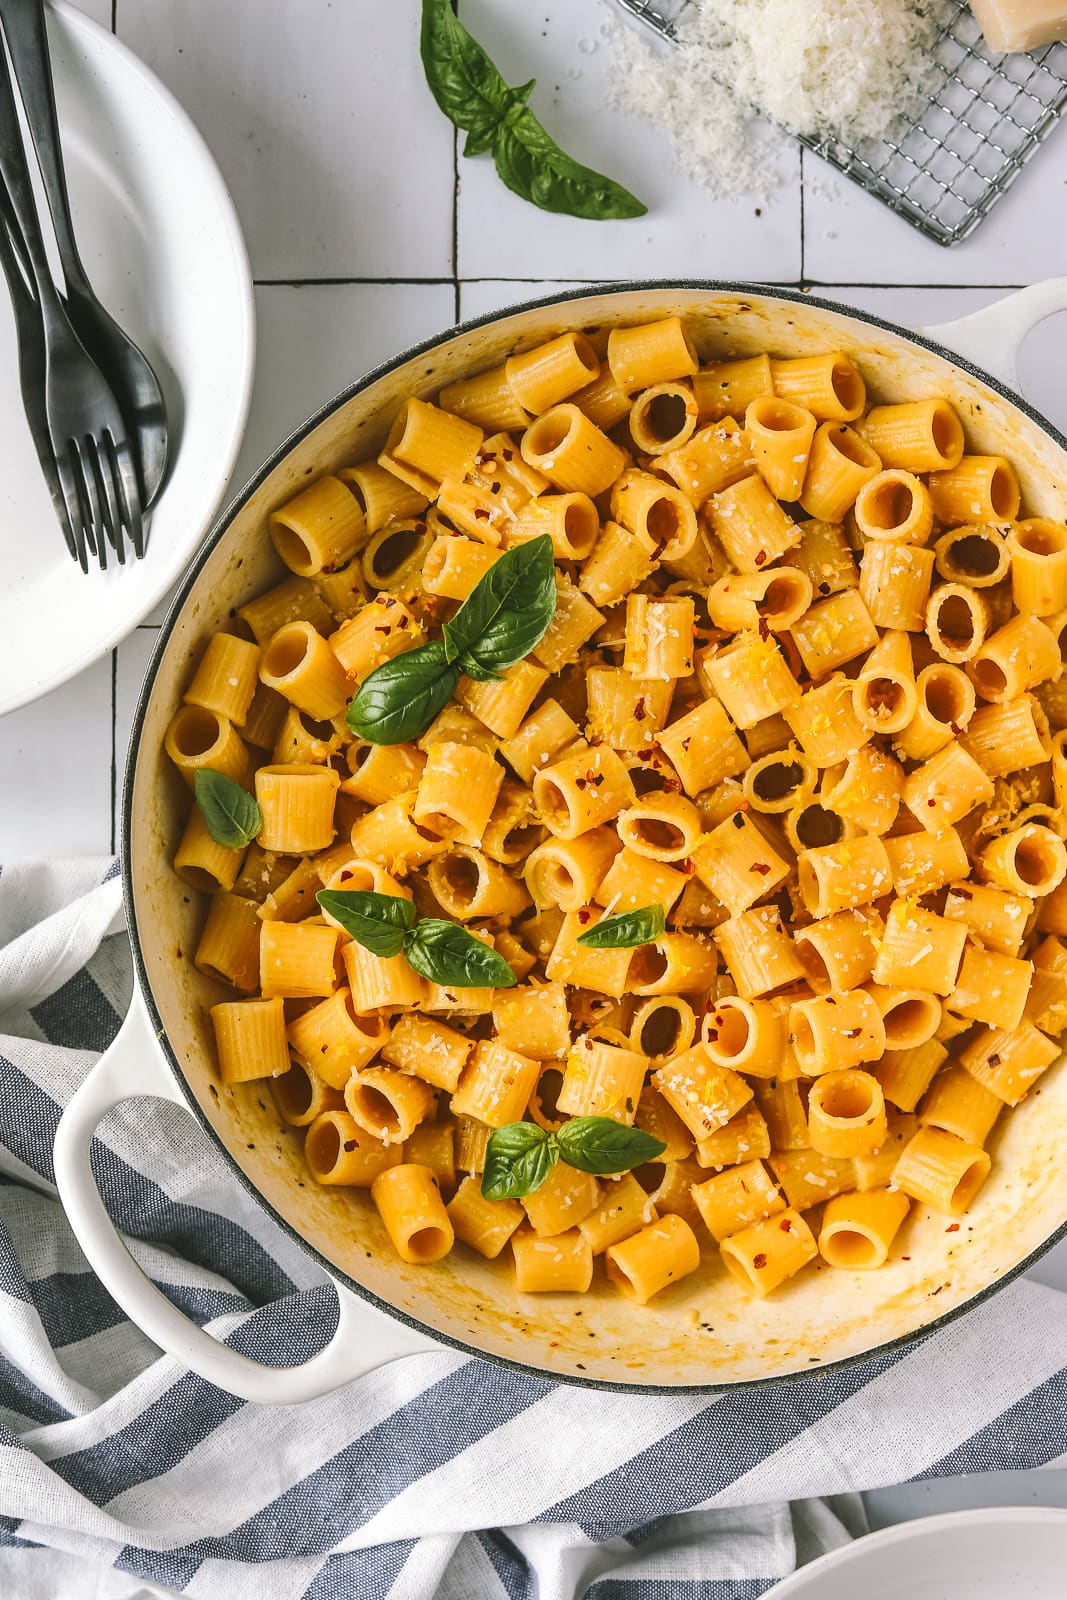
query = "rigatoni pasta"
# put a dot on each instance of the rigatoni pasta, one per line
(824, 746)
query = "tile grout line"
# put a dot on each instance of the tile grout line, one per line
(455, 225)
(802, 262)
(454, 280)
(456, 291)
(114, 742)
(115, 16)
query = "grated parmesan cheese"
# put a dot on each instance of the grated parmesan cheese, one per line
(847, 68)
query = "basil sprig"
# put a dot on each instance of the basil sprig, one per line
(520, 1156)
(232, 816)
(625, 929)
(505, 615)
(443, 952)
(472, 94)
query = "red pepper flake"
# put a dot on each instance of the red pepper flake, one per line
(760, 1260)
(345, 875)
(938, 1290)
(738, 820)
(350, 1145)
(761, 556)
(507, 455)
(494, 488)
(688, 866)
(853, 1033)
(639, 710)
(994, 1060)
(823, 588)
(762, 867)
(579, 783)
(905, 1258)
(583, 917)
(388, 628)
(953, 1227)
(785, 1225)
(589, 774)
(405, 622)
(931, 802)
(762, 628)
(480, 514)
(598, 780)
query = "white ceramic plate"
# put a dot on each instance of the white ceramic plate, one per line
(163, 249)
(1009, 1553)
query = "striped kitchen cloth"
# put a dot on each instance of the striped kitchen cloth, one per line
(122, 1475)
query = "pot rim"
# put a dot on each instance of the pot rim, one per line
(220, 526)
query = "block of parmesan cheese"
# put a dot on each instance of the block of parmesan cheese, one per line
(1014, 25)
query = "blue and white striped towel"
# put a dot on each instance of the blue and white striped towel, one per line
(123, 1476)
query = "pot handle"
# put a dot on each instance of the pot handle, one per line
(992, 337)
(364, 1339)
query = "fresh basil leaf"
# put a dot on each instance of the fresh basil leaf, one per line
(533, 166)
(447, 954)
(232, 816)
(471, 92)
(507, 611)
(399, 699)
(601, 1145)
(376, 921)
(518, 1159)
(462, 79)
(625, 929)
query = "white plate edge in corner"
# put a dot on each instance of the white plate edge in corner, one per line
(212, 475)
(805, 1583)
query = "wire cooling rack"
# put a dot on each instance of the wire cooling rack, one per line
(985, 116)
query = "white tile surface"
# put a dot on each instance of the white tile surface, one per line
(99, 10)
(849, 237)
(338, 160)
(486, 295)
(686, 234)
(55, 778)
(131, 664)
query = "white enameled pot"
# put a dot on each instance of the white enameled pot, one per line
(703, 1333)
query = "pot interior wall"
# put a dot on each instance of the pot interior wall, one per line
(704, 1331)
